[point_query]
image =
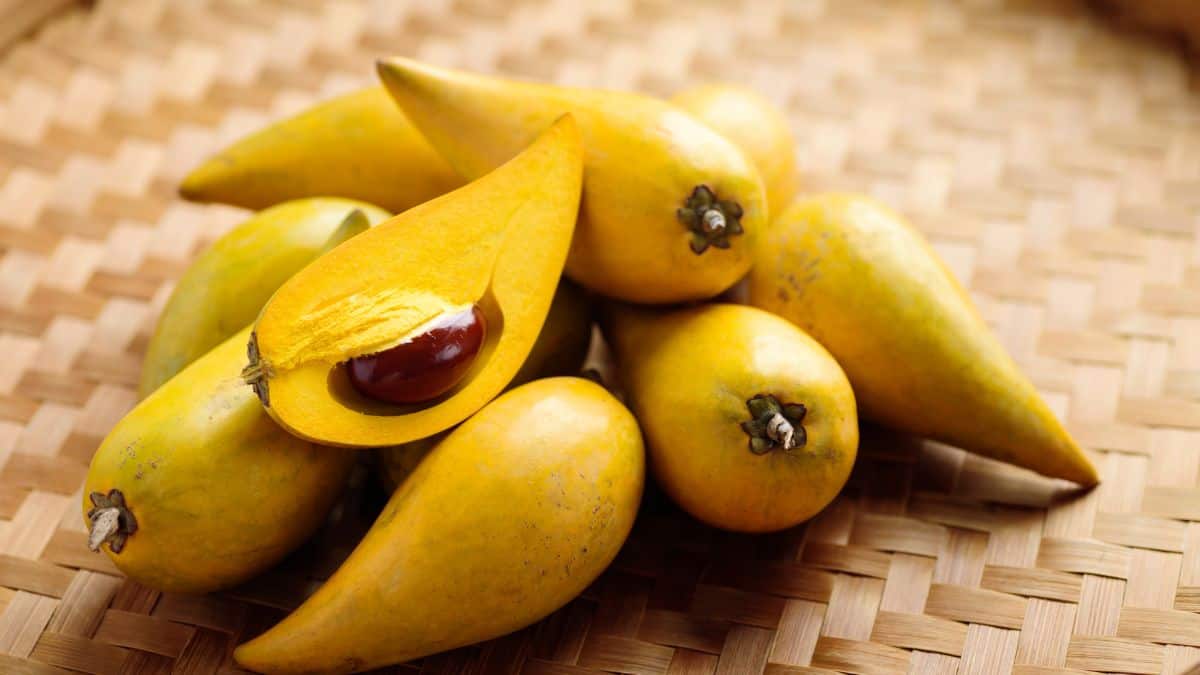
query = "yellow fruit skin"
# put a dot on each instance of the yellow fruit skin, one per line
(219, 491)
(357, 146)
(756, 126)
(224, 289)
(508, 519)
(560, 349)
(866, 285)
(689, 374)
(644, 158)
(498, 242)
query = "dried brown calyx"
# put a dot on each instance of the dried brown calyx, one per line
(257, 371)
(109, 521)
(711, 221)
(774, 425)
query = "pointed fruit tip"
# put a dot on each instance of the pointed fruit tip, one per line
(400, 71)
(1086, 474)
(240, 659)
(391, 72)
(192, 187)
(1071, 463)
(1081, 470)
(383, 65)
(244, 655)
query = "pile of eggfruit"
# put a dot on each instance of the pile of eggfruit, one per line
(449, 339)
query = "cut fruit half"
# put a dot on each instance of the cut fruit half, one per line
(497, 244)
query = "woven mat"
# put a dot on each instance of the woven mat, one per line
(1054, 161)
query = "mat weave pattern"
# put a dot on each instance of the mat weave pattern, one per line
(1053, 160)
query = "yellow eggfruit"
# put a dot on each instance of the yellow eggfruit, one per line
(357, 146)
(865, 284)
(750, 424)
(493, 249)
(196, 489)
(506, 520)
(226, 287)
(670, 207)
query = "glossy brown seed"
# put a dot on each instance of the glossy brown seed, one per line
(424, 367)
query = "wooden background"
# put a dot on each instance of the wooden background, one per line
(1052, 158)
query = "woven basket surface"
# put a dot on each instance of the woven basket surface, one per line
(1052, 158)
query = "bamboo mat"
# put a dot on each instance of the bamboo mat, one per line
(1054, 161)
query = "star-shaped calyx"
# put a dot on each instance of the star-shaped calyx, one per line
(711, 221)
(774, 425)
(109, 521)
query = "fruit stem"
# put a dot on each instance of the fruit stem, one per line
(109, 521)
(781, 431)
(714, 221)
(710, 220)
(103, 524)
(773, 424)
(257, 371)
